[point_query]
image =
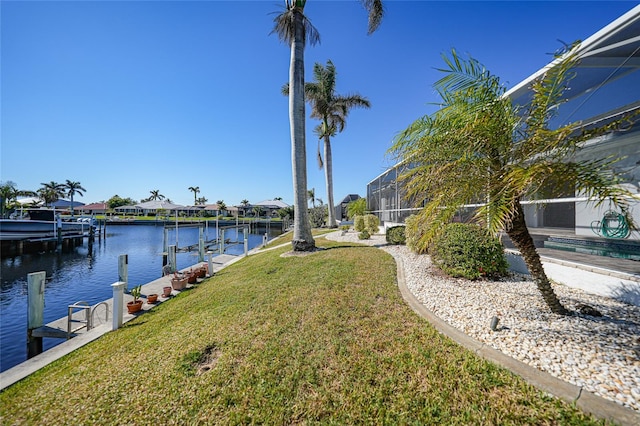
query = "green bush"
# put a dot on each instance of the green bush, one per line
(318, 216)
(356, 208)
(414, 234)
(366, 225)
(469, 251)
(371, 223)
(395, 235)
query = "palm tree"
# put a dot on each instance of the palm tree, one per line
(357, 208)
(244, 204)
(257, 210)
(156, 195)
(311, 195)
(9, 193)
(195, 190)
(51, 192)
(73, 188)
(221, 205)
(293, 28)
(332, 109)
(480, 146)
(201, 201)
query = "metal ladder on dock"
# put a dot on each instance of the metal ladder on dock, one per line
(88, 311)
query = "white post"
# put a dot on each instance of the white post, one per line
(118, 303)
(165, 240)
(221, 242)
(176, 228)
(245, 232)
(123, 269)
(210, 264)
(200, 245)
(172, 258)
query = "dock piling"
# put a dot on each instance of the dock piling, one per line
(245, 232)
(35, 303)
(172, 259)
(123, 272)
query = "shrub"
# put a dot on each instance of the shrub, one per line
(358, 223)
(364, 235)
(469, 251)
(356, 208)
(371, 223)
(318, 216)
(414, 233)
(345, 228)
(395, 235)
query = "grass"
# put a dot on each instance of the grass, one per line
(323, 338)
(288, 236)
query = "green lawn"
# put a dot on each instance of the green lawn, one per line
(322, 338)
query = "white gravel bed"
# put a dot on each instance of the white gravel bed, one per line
(600, 354)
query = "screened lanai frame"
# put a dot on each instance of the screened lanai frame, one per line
(606, 85)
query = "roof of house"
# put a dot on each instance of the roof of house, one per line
(95, 206)
(29, 200)
(66, 203)
(158, 204)
(272, 204)
(349, 198)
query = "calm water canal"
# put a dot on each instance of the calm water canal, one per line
(86, 275)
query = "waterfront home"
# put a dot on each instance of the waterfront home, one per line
(94, 208)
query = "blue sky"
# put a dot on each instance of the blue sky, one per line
(132, 96)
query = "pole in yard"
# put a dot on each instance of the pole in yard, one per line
(35, 302)
(172, 258)
(245, 232)
(200, 245)
(123, 268)
(118, 303)
(165, 240)
(210, 264)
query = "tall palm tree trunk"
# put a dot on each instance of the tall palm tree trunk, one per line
(521, 238)
(328, 174)
(302, 238)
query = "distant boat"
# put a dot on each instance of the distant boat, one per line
(42, 224)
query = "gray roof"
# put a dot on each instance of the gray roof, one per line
(158, 204)
(349, 198)
(272, 204)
